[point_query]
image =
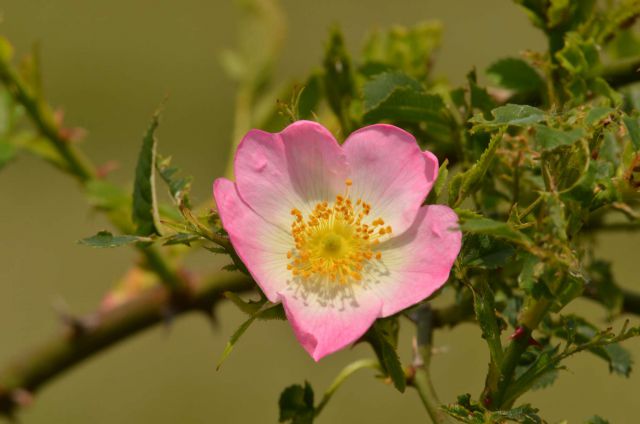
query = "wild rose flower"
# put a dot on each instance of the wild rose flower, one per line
(338, 234)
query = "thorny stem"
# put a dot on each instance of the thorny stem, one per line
(76, 163)
(421, 380)
(43, 119)
(528, 321)
(99, 331)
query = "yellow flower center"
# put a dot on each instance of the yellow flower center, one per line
(335, 242)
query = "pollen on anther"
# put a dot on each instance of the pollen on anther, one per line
(342, 220)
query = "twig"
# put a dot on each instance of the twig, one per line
(33, 370)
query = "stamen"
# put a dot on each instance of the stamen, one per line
(333, 243)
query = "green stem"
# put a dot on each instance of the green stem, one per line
(529, 319)
(43, 119)
(422, 381)
(99, 331)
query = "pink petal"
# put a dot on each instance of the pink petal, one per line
(262, 246)
(390, 173)
(295, 168)
(323, 328)
(418, 262)
(432, 167)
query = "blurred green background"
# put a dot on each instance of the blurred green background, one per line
(108, 64)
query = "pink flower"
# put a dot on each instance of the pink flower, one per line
(338, 234)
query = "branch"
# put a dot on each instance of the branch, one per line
(99, 331)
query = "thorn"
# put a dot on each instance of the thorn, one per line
(77, 325)
(418, 361)
(517, 334)
(487, 401)
(534, 342)
(106, 168)
(73, 134)
(22, 397)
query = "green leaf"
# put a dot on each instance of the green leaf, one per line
(579, 56)
(382, 85)
(544, 363)
(479, 98)
(181, 238)
(466, 410)
(484, 252)
(515, 74)
(556, 221)
(633, 128)
(409, 49)
(179, 187)
(547, 138)
(234, 339)
(545, 380)
(106, 239)
(309, 98)
(565, 166)
(296, 404)
(249, 308)
(558, 12)
(484, 306)
(261, 310)
(338, 77)
(619, 358)
(525, 414)
(230, 267)
(466, 183)
(578, 330)
(530, 273)
(405, 104)
(145, 207)
(597, 115)
(383, 339)
(441, 181)
(216, 249)
(510, 114)
(493, 228)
